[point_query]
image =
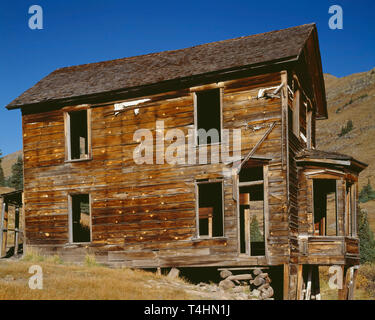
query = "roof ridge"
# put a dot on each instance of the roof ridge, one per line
(75, 67)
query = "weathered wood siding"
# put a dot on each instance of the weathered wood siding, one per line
(148, 210)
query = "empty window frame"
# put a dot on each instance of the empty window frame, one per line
(294, 124)
(78, 134)
(325, 207)
(303, 120)
(251, 211)
(208, 116)
(80, 218)
(210, 209)
(300, 119)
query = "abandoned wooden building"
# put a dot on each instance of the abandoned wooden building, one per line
(282, 204)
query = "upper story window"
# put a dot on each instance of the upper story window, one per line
(78, 140)
(300, 119)
(208, 116)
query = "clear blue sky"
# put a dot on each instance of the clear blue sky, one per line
(84, 31)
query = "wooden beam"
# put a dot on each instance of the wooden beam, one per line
(300, 282)
(353, 276)
(250, 154)
(309, 283)
(286, 281)
(343, 291)
(2, 228)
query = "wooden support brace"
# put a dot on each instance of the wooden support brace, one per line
(2, 228)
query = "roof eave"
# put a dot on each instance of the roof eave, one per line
(110, 95)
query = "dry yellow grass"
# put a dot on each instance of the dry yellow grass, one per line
(361, 291)
(89, 282)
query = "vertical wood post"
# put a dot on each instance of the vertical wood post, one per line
(2, 227)
(316, 283)
(343, 292)
(308, 286)
(286, 282)
(300, 282)
(16, 230)
(353, 276)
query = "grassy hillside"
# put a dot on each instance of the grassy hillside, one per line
(352, 98)
(8, 161)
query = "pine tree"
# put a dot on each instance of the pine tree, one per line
(255, 234)
(366, 238)
(16, 179)
(367, 193)
(2, 177)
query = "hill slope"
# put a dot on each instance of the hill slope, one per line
(8, 161)
(352, 98)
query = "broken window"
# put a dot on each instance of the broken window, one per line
(210, 199)
(208, 113)
(80, 218)
(294, 116)
(251, 215)
(78, 142)
(303, 120)
(290, 119)
(325, 207)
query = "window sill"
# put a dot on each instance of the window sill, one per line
(208, 238)
(244, 255)
(78, 160)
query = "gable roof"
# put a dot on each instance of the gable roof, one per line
(69, 83)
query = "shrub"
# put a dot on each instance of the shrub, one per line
(366, 237)
(90, 261)
(347, 128)
(32, 255)
(367, 193)
(366, 277)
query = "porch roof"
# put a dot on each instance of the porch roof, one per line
(329, 158)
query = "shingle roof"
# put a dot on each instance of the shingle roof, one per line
(107, 76)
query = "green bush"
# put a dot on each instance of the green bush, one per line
(366, 238)
(255, 233)
(347, 128)
(367, 193)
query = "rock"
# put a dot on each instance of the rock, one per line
(264, 286)
(267, 293)
(226, 284)
(242, 296)
(173, 274)
(255, 293)
(225, 274)
(257, 271)
(237, 290)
